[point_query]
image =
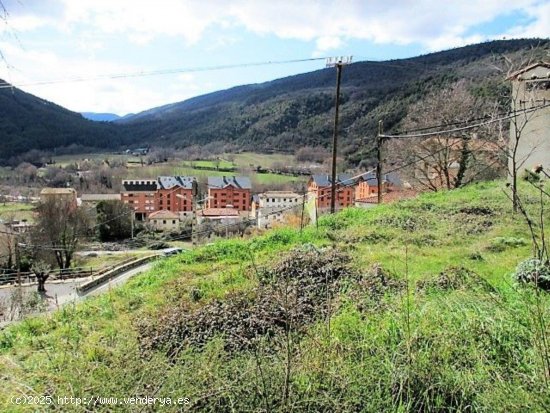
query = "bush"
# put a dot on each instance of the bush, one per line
(291, 295)
(160, 245)
(500, 244)
(534, 271)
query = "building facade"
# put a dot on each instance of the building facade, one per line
(229, 192)
(139, 194)
(530, 89)
(274, 205)
(166, 193)
(319, 188)
(175, 194)
(164, 220)
(366, 187)
(59, 194)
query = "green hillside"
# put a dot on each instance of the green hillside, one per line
(280, 115)
(406, 307)
(296, 111)
(28, 122)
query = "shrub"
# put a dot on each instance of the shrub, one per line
(534, 271)
(160, 245)
(292, 294)
(500, 244)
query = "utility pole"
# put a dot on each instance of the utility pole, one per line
(379, 160)
(337, 62)
(132, 218)
(194, 224)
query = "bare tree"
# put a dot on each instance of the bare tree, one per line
(447, 160)
(59, 227)
(41, 270)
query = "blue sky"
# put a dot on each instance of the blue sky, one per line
(50, 40)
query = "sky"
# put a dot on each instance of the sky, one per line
(55, 42)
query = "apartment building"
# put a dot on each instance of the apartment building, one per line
(139, 194)
(229, 192)
(175, 194)
(166, 193)
(319, 188)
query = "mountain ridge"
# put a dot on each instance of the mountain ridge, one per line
(280, 115)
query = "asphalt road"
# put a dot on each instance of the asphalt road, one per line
(61, 293)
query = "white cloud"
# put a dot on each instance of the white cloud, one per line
(428, 22)
(325, 44)
(538, 27)
(94, 93)
(88, 27)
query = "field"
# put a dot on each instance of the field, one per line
(244, 163)
(414, 308)
(16, 210)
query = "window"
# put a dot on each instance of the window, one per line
(173, 221)
(164, 221)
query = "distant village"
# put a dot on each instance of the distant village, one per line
(166, 202)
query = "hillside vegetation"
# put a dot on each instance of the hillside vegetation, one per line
(404, 307)
(280, 115)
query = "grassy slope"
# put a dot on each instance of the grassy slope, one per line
(470, 348)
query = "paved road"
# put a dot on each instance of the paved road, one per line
(59, 294)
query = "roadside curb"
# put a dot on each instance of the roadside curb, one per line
(86, 286)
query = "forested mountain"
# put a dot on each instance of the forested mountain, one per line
(28, 122)
(280, 115)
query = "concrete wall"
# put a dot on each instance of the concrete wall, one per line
(530, 89)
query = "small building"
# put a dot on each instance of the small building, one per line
(59, 194)
(319, 188)
(219, 215)
(274, 205)
(229, 192)
(164, 220)
(530, 89)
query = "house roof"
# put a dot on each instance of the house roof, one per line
(326, 180)
(163, 214)
(139, 185)
(169, 182)
(517, 73)
(217, 212)
(370, 178)
(225, 181)
(57, 191)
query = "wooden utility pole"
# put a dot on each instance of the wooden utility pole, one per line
(337, 62)
(379, 160)
(195, 223)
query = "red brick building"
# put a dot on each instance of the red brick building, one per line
(366, 189)
(319, 187)
(229, 192)
(175, 194)
(139, 194)
(169, 193)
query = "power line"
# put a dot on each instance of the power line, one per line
(427, 134)
(160, 72)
